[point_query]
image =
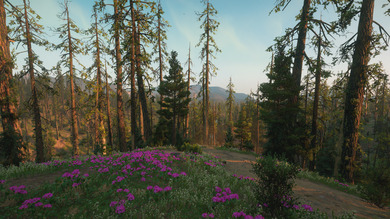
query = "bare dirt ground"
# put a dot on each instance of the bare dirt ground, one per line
(319, 196)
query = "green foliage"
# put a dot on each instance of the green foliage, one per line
(275, 183)
(243, 127)
(12, 150)
(191, 148)
(229, 139)
(376, 188)
(277, 111)
(174, 105)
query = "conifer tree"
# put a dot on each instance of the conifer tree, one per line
(230, 104)
(174, 107)
(97, 47)
(26, 19)
(243, 127)
(209, 48)
(277, 111)
(69, 47)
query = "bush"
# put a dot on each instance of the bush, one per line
(248, 146)
(192, 148)
(275, 183)
(376, 188)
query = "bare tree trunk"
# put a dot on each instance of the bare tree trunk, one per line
(11, 127)
(35, 104)
(315, 106)
(300, 49)
(188, 89)
(206, 107)
(355, 90)
(99, 126)
(132, 78)
(74, 125)
(119, 78)
(141, 89)
(110, 143)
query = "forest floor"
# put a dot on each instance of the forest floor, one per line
(317, 195)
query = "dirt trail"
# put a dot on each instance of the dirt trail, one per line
(319, 196)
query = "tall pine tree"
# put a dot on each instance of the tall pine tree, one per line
(176, 98)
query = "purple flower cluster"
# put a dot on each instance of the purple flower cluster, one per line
(2, 181)
(242, 214)
(18, 189)
(223, 196)
(242, 177)
(36, 201)
(157, 189)
(207, 215)
(342, 184)
(120, 206)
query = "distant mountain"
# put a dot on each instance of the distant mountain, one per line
(217, 94)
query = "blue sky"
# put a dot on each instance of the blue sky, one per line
(246, 30)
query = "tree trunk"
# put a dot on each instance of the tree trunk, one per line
(110, 143)
(159, 48)
(188, 89)
(206, 107)
(355, 90)
(35, 104)
(141, 89)
(75, 134)
(300, 49)
(132, 78)
(315, 105)
(8, 105)
(119, 78)
(99, 126)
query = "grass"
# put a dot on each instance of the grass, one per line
(222, 148)
(190, 182)
(329, 181)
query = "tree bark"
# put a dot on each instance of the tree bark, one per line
(8, 105)
(110, 143)
(35, 104)
(355, 91)
(132, 78)
(206, 107)
(300, 49)
(141, 89)
(315, 106)
(119, 78)
(99, 138)
(75, 134)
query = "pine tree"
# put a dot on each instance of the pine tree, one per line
(355, 91)
(174, 107)
(209, 25)
(97, 47)
(69, 47)
(243, 128)
(277, 111)
(26, 19)
(230, 104)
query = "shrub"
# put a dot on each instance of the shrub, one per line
(229, 140)
(187, 147)
(275, 182)
(376, 188)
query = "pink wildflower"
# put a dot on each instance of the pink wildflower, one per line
(47, 195)
(47, 206)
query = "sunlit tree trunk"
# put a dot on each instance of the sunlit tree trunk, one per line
(119, 79)
(34, 95)
(355, 91)
(11, 126)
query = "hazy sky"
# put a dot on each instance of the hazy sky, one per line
(246, 30)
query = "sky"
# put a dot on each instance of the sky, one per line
(246, 30)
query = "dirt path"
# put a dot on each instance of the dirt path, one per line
(318, 196)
